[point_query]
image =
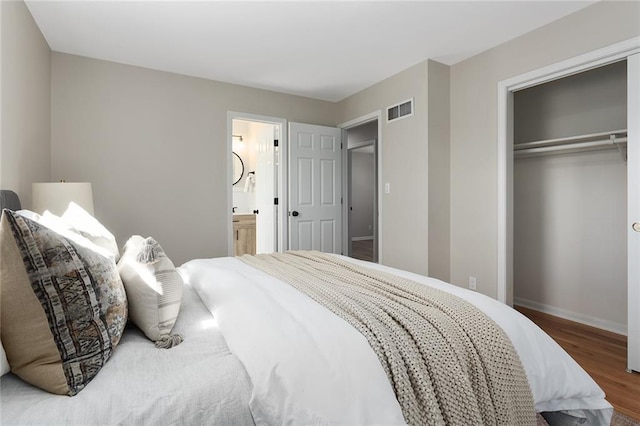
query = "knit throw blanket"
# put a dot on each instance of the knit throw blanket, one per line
(448, 363)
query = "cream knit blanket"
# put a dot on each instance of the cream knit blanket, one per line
(449, 364)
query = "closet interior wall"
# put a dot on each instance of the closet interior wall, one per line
(570, 253)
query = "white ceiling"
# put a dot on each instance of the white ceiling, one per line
(323, 49)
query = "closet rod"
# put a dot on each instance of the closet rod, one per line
(604, 137)
(590, 142)
(574, 147)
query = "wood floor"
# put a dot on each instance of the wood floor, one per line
(601, 353)
(362, 250)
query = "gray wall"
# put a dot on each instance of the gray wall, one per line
(363, 186)
(25, 141)
(364, 132)
(570, 252)
(404, 154)
(590, 102)
(154, 145)
(415, 161)
(474, 125)
(439, 171)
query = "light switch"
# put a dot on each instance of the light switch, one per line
(387, 188)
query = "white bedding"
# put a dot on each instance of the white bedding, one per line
(308, 366)
(195, 383)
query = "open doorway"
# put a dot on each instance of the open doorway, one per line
(362, 194)
(255, 184)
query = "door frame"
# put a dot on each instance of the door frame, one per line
(282, 233)
(377, 218)
(633, 212)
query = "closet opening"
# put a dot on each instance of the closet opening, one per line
(587, 228)
(570, 197)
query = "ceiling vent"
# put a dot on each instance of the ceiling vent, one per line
(401, 110)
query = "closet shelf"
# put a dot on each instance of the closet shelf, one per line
(590, 142)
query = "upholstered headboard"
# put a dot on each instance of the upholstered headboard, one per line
(9, 200)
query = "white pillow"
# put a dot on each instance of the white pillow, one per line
(88, 226)
(154, 289)
(4, 364)
(29, 214)
(62, 227)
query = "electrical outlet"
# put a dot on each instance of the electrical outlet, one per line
(472, 283)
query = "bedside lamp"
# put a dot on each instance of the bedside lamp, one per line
(56, 196)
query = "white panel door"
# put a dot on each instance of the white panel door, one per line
(633, 213)
(315, 188)
(265, 191)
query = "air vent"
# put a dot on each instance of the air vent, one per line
(401, 110)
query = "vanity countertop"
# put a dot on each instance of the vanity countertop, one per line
(244, 217)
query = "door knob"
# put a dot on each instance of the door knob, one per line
(294, 213)
(636, 226)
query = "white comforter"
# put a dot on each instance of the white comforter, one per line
(308, 366)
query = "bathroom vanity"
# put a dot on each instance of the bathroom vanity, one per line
(244, 234)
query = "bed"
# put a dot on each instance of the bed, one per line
(258, 350)
(198, 382)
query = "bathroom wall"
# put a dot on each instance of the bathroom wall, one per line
(245, 201)
(244, 192)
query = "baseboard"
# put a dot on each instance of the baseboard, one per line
(362, 238)
(614, 327)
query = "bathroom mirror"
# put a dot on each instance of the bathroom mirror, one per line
(238, 168)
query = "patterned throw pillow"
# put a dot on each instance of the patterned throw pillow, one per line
(154, 289)
(63, 307)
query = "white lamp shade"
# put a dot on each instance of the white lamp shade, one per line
(56, 197)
